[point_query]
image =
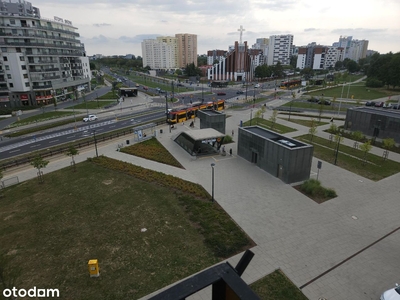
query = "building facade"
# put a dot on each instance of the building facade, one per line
(215, 55)
(280, 49)
(158, 54)
(353, 49)
(318, 57)
(186, 49)
(282, 157)
(42, 60)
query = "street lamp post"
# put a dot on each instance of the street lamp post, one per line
(84, 99)
(212, 182)
(254, 96)
(166, 106)
(251, 115)
(246, 89)
(341, 97)
(95, 142)
(97, 100)
(337, 147)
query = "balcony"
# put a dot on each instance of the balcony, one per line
(44, 70)
(43, 78)
(50, 28)
(42, 87)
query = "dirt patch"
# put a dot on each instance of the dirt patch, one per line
(108, 182)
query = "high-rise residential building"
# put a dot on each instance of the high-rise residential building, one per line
(186, 49)
(318, 57)
(280, 49)
(41, 60)
(158, 54)
(353, 49)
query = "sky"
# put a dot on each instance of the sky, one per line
(117, 27)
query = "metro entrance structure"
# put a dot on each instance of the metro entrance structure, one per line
(200, 142)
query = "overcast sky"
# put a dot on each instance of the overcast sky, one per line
(119, 26)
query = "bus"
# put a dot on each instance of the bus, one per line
(183, 114)
(290, 84)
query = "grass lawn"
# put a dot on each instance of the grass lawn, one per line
(40, 128)
(357, 90)
(268, 124)
(305, 122)
(42, 117)
(109, 95)
(152, 149)
(276, 286)
(146, 234)
(352, 159)
(92, 104)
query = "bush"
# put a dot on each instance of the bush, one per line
(227, 139)
(314, 190)
(330, 193)
(373, 83)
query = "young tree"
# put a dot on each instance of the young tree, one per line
(333, 129)
(357, 136)
(320, 109)
(273, 118)
(365, 148)
(387, 144)
(313, 129)
(72, 151)
(39, 163)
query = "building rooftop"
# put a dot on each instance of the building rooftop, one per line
(203, 134)
(273, 136)
(378, 111)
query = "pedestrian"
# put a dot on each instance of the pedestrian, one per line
(230, 151)
(332, 120)
(233, 132)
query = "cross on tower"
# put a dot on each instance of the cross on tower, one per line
(241, 29)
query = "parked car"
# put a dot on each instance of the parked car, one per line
(221, 94)
(179, 84)
(257, 86)
(396, 106)
(316, 100)
(387, 105)
(379, 104)
(324, 102)
(145, 88)
(161, 91)
(370, 103)
(90, 118)
(392, 294)
(239, 92)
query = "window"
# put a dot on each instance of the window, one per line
(5, 58)
(3, 49)
(7, 67)
(21, 58)
(23, 67)
(12, 21)
(25, 76)
(27, 84)
(9, 76)
(11, 85)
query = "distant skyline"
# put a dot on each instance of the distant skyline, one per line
(118, 27)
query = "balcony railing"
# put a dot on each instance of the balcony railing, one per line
(42, 87)
(44, 70)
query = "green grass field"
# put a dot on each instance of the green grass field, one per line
(356, 91)
(351, 159)
(42, 117)
(303, 122)
(146, 234)
(316, 106)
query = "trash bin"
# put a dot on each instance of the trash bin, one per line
(127, 142)
(161, 131)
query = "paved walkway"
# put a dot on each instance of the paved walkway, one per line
(291, 231)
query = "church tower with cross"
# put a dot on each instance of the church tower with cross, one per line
(236, 66)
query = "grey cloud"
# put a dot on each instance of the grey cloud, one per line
(138, 38)
(358, 31)
(276, 5)
(310, 29)
(101, 24)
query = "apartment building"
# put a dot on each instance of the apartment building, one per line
(353, 49)
(170, 52)
(280, 49)
(41, 60)
(318, 57)
(186, 49)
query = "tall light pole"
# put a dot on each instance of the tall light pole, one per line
(97, 99)
(84, 99)
(348, 89)
(251, 115)
(95, 142)
(254, 96)
(246, 89)
(212, 182)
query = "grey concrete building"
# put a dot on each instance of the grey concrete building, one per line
(212, 119)
(285, 158)
(200, 142)
(374, 122)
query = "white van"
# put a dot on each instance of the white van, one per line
(392, 294)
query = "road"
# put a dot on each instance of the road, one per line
(26, 145)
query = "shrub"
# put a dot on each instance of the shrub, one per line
(314, 190)
(227, 139)
(330, 193)
(373, 83)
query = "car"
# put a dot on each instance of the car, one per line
(379, 104)
(221, 94)
(387, 105)
(158, 89)
(325, 102)
(179, 84)
(257, 86)
(145, 88)
(137, 85)
(239, 92)
(396, 106)
(162, 91)
(392, 294)
(316, 100)
(90, 118)
(370, 103)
